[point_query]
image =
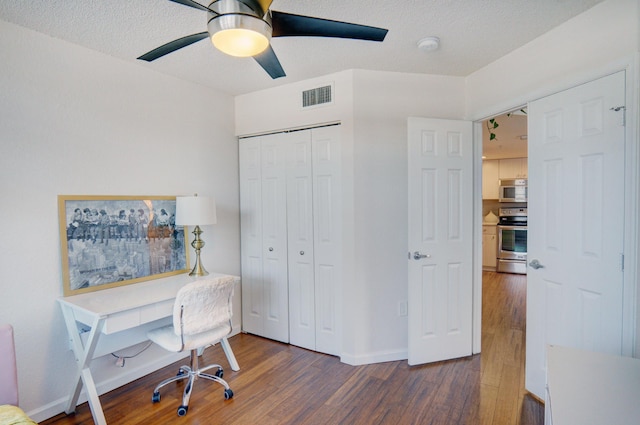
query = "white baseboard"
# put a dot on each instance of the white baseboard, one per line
(59, 406)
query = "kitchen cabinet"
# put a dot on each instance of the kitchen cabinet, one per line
(489, 246)
(290, 207)
(490, 179)
(513, 168)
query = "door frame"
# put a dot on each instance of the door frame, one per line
(631, 289)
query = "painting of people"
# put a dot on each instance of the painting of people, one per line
(110, 241)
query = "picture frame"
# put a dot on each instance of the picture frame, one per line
(109, 241)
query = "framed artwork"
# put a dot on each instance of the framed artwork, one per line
(109, 241)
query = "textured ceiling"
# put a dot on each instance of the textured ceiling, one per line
(473, 33)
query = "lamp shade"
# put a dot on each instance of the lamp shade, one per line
(195, 210)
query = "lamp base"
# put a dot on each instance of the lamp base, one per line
(198, 244)
(198, 270)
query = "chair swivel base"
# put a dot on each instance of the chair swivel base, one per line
(192, 374)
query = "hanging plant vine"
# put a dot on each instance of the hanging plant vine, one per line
(492, 124)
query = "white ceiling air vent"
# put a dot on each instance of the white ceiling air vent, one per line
(318, 96)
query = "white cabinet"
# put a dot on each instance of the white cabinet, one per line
(591, 388)
(514, 168)
(490, 179)
(305, 193)
(489, 246)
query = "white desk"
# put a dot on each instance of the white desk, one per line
(588, 388)
(113, 310)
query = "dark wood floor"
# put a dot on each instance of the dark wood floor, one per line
(282, 384)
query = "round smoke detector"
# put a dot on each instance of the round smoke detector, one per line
(429, 44)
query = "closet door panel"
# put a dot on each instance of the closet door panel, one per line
(274, 238)
(327, 235)
(325, 298)
(251, 236)
(302, 326)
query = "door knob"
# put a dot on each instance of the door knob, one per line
(418, 256)
(301, 252)
(270, 248)
(535, 264)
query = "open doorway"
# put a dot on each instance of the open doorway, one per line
(504, 193)
(504, 215)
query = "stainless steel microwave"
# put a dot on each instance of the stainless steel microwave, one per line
(513, 190)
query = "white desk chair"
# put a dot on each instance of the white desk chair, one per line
(201, 317)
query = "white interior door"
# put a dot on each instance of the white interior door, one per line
(575, 223)
(440, 239)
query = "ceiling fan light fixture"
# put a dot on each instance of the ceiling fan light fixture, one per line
(244, 28)
(239, 35)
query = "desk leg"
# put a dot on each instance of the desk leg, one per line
(83, 355)
(94, 400)
(230, 356)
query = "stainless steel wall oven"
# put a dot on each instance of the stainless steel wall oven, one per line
(512, 240)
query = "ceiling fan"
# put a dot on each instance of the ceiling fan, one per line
(244, 28)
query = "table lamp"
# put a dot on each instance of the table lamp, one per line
(195, 211)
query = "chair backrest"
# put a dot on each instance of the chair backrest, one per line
(203, 305)
(8, 371)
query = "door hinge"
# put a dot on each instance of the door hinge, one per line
(622, 108)
(622, 262)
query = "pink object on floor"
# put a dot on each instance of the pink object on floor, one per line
(8, 372)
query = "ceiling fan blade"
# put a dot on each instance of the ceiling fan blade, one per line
(172, 46)
(270, 63)
(258, 6)
(193, 4)
(290, 25)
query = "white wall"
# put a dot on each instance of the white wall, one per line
(373, 108)
(73, 121)
(382, 103)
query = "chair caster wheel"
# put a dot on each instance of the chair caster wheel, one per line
(155, 398)
(219, 373)
(180, 372)
(182, 410)
(228, 394)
